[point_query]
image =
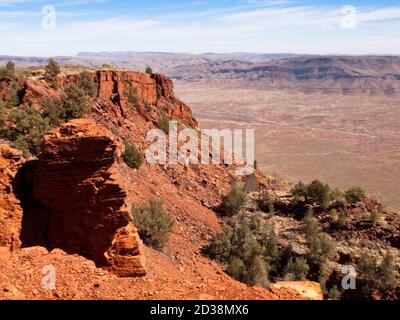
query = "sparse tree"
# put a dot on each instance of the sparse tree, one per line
(298, 268)
(342, 220)
(149, 70)
(52, 68)
(354, 195)
(234, 200)
(132, 156)
(265, 202)
(87, 84)
(10, 68)
(153, 223)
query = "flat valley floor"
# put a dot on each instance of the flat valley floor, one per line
(343, 140)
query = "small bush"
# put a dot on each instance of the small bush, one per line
(374, 216)
(26, 130)
(131, 95)
(320, 244)
(52, 68)
(132, 157)
(163, 123)
(14, 96)
(257, 271)
(265, 202)
(342, 220)
(53, 110)
(354, 195)
(316, 193)
(149, 70)
(236, 269)
(8, 70)
(311, 225)
(298, 268)
(74, 103)
(234, 200)
(243, 246)
(271, 248)
(153, 223)
(321, 247)
(87, 84)
(71, 105)
(376, 278)
(333, 215)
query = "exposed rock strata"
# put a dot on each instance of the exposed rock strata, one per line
(80, 199)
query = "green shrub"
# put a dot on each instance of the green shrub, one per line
(251, 183)
(387, 274)
(320, 244)
(52, 68)
(311, 225)
(53, 110)
(354, 195)
(13, 98)
(163, 123)
(298, 268)
(234, 200)
(257, 271)
(316, 193)
(265, 202)
(132, 95)
(149, 70)
(87, 84)
(321, 247)
(8, 70)
(333, 215)
(220, 246)
(71, 105)
(247, 246)
(132, 157)
(26, 130)
(74, 103)
(374, 216)
(376, 277)
(236, 269)
(342, 219)
(270, 244)
(153, 223)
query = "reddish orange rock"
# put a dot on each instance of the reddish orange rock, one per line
(10, 207)
(80, 199)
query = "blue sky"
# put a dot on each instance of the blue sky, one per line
(195, 26)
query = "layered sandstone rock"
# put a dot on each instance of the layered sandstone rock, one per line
(10, 207)
(80, 199)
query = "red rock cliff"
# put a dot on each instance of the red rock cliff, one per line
(10, 207)
(81, 200)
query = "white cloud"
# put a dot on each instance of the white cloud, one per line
(275, 27)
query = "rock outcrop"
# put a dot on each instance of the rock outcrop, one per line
(10, 207)
(80, 200)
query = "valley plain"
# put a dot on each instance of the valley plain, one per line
(343, 140)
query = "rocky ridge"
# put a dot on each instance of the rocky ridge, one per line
(74, 201)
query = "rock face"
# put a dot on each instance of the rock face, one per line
(80, 201)
(10, 208)
(156, 91)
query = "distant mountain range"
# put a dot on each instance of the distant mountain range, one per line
(338, 74)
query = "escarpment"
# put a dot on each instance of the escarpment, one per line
(77, 200)
(73, 202)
